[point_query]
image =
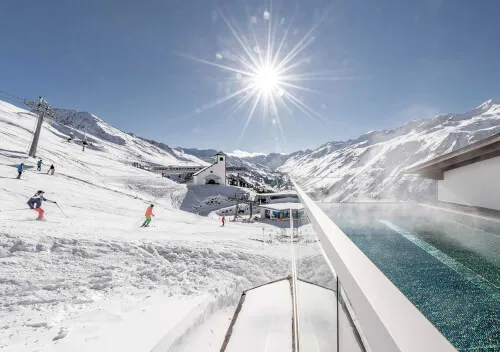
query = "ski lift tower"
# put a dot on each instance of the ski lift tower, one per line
(244, 198)
(42, 108)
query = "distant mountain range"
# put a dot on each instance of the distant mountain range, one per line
(373, 165)
(369, 167)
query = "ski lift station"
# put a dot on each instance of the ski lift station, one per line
(281, 211)
(279, 197)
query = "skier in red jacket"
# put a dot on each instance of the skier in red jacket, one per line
(148, 215)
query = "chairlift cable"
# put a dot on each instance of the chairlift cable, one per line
(12, 95)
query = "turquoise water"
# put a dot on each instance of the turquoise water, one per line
(447, 264)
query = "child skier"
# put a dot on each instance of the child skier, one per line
(149, 214)
(35, 203)
(51, 169)
(39, 165)
(20, 170)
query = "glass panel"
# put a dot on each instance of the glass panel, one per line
(317, 302)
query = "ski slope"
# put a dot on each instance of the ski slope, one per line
(89, 278)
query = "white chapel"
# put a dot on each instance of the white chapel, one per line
(213, 174)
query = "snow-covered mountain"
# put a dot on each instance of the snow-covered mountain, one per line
(373, 165)
(259, 175)
(84, 125)
(369, 167)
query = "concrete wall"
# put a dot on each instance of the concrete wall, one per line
(476, 184)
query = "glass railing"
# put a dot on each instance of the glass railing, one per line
(325, 321)
(343, 301)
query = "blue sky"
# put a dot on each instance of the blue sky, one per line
(382, 63)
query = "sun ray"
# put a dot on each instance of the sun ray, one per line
(348, 78)
(270, 68)
(305, 89)
(241, 102)
(269, 26)
(284, 103)
(261, 59)
(222, 100)
(228, 68)
(299, 47)
(237, 37)
(304, 107)
(295, 65)
(278, 119)
(250, 115)
(285, 36)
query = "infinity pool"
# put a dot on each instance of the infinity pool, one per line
(447, 264)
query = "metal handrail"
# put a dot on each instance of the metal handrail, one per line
(389, 321)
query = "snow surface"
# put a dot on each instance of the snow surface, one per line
(89, 278)
(265, 320)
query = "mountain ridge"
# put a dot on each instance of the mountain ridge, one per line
(373, 165)
(369, 166)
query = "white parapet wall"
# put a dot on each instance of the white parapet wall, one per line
(388, 320)
(476, 185)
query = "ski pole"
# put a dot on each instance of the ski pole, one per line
(62, 212)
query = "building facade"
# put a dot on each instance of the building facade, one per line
(467, 176)
(213, 174)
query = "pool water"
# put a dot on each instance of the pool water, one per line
(447, 264)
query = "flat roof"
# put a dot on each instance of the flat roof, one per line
(283, 206)
(482, 150)
(282, 193)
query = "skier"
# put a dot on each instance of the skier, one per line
(223, 220)
(35, 203)
(149, 214)
(51, 169)
(39, 165)
(20, 170)
(42, 102)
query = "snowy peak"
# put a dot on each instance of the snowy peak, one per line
(106, 139)
(90, 124)
(374, 165)
(487, 105)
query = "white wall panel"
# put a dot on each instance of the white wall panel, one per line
(476, 184)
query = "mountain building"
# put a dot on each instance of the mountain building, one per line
(212, 174)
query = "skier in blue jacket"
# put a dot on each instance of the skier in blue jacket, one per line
(35, 203)
(20, 170)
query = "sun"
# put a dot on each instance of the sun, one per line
(266, 79)
(267, 69)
